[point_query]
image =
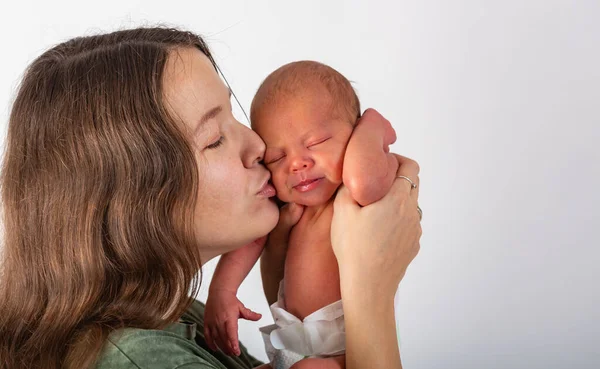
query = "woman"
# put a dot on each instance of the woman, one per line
(124, 172)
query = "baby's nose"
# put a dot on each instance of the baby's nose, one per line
(300, 167)
(301, 164)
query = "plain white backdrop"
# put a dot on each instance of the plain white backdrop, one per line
(499, 101)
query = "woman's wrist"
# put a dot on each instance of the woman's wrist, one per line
(373, 302)
(370, 319)
(354, 286)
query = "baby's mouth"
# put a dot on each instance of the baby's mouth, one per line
(307, 181)
(307, 184)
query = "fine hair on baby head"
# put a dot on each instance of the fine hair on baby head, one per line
(305, 112)
(303, 76)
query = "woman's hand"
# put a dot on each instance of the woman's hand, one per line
(375, 244)
(272, 260)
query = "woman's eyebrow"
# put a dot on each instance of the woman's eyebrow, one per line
(210, 114)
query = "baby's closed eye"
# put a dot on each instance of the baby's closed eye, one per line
(318, 142)
(270, 159)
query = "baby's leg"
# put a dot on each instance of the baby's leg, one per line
(336, 362)
(369, 167)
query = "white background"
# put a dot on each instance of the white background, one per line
(499, 101)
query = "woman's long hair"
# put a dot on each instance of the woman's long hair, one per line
(98, 187)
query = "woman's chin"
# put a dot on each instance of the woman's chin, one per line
(253, 229)
(262, 223)
(268, 218)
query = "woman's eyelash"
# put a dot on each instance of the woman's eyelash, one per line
(216, 144)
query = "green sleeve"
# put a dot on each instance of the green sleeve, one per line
(181, 345)
(154, 349)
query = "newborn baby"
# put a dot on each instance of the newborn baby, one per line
(307, 114)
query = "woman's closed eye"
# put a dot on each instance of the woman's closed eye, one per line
(216, 144)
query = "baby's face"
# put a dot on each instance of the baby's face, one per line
(305, 146)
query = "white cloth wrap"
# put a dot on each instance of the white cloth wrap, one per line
(289, 340)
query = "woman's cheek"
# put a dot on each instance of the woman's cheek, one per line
(225, 181)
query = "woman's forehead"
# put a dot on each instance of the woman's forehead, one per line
(191, 83)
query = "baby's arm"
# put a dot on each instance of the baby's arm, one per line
(272, 261)
(234, 266)
(369, 167)
(223, 309)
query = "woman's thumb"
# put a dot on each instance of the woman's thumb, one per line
(344, 198)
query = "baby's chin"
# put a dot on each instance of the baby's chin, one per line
(311, 202)
(311, 199)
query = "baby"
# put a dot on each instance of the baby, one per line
(307, 114)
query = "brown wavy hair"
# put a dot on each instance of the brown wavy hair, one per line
(98, 186)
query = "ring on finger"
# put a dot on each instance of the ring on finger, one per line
(412, 184)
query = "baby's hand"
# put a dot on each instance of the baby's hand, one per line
(223, 309)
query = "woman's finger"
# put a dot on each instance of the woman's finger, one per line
(410, 169)
(343, 198)
(408, 163)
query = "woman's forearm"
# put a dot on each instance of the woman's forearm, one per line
(371, 337)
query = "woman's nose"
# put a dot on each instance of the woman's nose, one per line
(253, 149)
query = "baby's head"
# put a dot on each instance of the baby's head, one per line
(305, 112)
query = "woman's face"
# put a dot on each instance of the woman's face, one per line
(234, 206)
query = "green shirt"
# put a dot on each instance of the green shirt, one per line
(180, 345)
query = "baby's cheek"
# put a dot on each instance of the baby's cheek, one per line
(279, 181)
(336, 169)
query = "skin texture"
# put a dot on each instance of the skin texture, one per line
(304, 141)
(374, 244)
(230, 172)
